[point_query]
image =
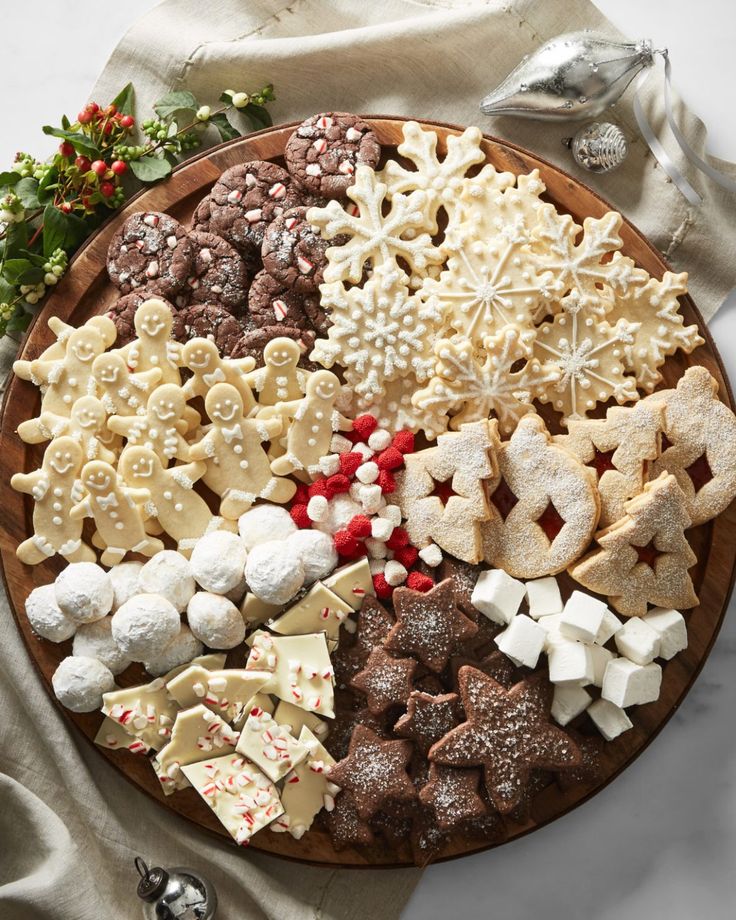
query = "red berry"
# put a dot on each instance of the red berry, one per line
(346, 544)
(365, 425)
(399, 538)
(119, 167)
(99, 167)
(349, 463)
(403, 441)
(418, 581)
(390, 459)
(337, 484)
(360, 526)
(84, 117)
(299, 516)
(382, 588)
(108, 128)
(83, 163)
(301, 496)
(406, 555)
(111, 109)
(92, 108)
(65, 207)
(66, 149)
(127, 121)
(318, 488)
(387, 482)
(107, 189)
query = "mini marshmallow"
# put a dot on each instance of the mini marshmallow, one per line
(263, 523)
(600, 657)
(395, 573)
(367, 472)
(609, 627)
(215, 620)
(431, 555)
(177, 653)
(145, 625)
(340, 444)
(275, 571)
(497, 595)
(329, 465)
(637, 641)
(522, 641)
(169, 575)
(391, 513)
(582, 617)
(568, 703)
(79, 683)
(628, 684)
(45, 615)
(381, 529)
(610, 720)
(379, 439)
(84, 592)
(671, 629)
(377, 566)
(94, 640)
(551, 626)
(124, 578)
(340, 511)
(371, 498)
(218, 561)
(360, 448)
(316, 551)
(377, 549)
(543, 597)
(570, 663)
(317, 508)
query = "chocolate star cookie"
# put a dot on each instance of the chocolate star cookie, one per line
(453, 795)
(345, 826)
(385, 680)
(428, 718)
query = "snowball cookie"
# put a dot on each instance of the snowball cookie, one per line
(145, 625)
(274, 571)
(79, 683)
(218, 561)
(215, 620)
(237, 593)
(84, 592)
(169, 575)
(94, 640)
(317, 552)
(46, 617)
(265, 522)
(181, 651)
(124, 578)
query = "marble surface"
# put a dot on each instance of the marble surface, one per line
(659, 842)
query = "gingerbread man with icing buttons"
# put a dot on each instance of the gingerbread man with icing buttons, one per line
(117, 513)
(121, 392)
(57, 350)
(70, 377)
(154, 346)
(280, 379)
(86, 424)
(238, 468)
(315, 419)
(55, 489)
(181, 512)
(203, 359)
(161, 428)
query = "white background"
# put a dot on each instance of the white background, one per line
(659, 842)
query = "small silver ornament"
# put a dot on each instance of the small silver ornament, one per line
(599, 147)
(175, 894)
(574, 76)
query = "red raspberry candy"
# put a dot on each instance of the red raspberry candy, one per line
(300, 517)
(337, 484)
(390, 459)
(399, 538)
(349, 463)
(419, 582)
(406, 555)
(382, 588)
(403, 441)
(319, 488)
(360, 526)
(346, 544)
(386, 482)
(364, 425)
(301, 496)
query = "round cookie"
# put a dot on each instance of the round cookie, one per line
(323, 152)
(294, 251)
(219, 274)
(201, 218)
(246, 199)
(208, 321)
(150, 250)
(253, 341)
(123, 311)
(271, 303)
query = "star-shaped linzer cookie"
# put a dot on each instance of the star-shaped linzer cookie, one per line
(428, 718)
(508, 733)
(385, 680)
(374, 772)
(453, 795)
(429, 625)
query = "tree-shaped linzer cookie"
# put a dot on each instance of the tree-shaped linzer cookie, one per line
(644, 557)
(544, 505)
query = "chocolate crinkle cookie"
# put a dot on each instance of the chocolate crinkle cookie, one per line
(294, 251)
(245, 200)
(123, 311)
(201, 218)
(151, 250)
(209, 321)
(254, 340)
(324, 151)
(219, 275)
(270, 303)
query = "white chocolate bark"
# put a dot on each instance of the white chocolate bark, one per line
(306, 789)
(351, 582)
(227, 692)
(302, 673)
(320, 610)
(269, 745)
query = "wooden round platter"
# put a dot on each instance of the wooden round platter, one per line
(86, 291)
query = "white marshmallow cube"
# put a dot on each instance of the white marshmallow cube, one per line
(431, 555)
(377, 566)
(582, 617)
(610, 720)
(568, 703)
(379, 439)
(637, 641)
(570, 663)
(381, 529)
(497, 595)
(317, 507)
(522, 641)
(360, 448)
(609, 627)
(376, 548)
(329, 465)
(370, 497)
(367, 472)
(600, 657)
(671, 629)
(395, 573)
(551, 627)
(543, 597)
(626, 683)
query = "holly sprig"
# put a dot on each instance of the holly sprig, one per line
(48, 208)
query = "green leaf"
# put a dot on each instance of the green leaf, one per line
(16, 240)
(81, 143)
(172, 103)
(11, 177)
(65, 123)
(14, 269)
(258, 116)
(47, 184)
(150, 169)
(226, 130)
(7, 291)
(227, 98)
(19, 322)
(125, 100)
(61, 231)
(27, 191)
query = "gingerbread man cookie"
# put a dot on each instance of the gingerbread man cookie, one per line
(160, 429)
(203, 359)
(117, 513)
(55, 489)
(121, 392)
(70, 377)
(280, 379)
(154, 346)
(62, 331)
(86, 424)
(238, 468)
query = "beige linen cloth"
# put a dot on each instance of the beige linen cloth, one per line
(69, 825)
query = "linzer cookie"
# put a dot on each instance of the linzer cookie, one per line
(294, 251)
(151, 250)
(218, 275)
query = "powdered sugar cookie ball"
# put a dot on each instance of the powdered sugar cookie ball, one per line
(340, 511)
(317, 552)
(274, 571)
(84, 592)
(265, 522)
(169, 575)
(124, 578)
(237, 593)
(145, 625)
(218, 561)
(215, 620)
(79, 683)
(178, 652)
(46, 617)
(94, 640)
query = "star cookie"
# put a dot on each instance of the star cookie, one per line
(453, 795)
(385, 680)
(428, 718)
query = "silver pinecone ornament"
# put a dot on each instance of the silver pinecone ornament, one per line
(599, 147)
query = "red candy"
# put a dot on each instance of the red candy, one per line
(398, 539)
(382, 588)
(346, 544)
(403, 442)
(364, 426)
(319, 488)
(386, 482)
(390, 459)
(349, 463)
(360, 526)
(301, 496)
(419, 582)
(337, 484)
(406, 555)
(299, 516)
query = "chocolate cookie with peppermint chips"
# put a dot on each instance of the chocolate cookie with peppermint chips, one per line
(294, 251)
(151, 250)
(219, 275)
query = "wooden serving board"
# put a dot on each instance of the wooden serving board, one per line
(85, 291)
